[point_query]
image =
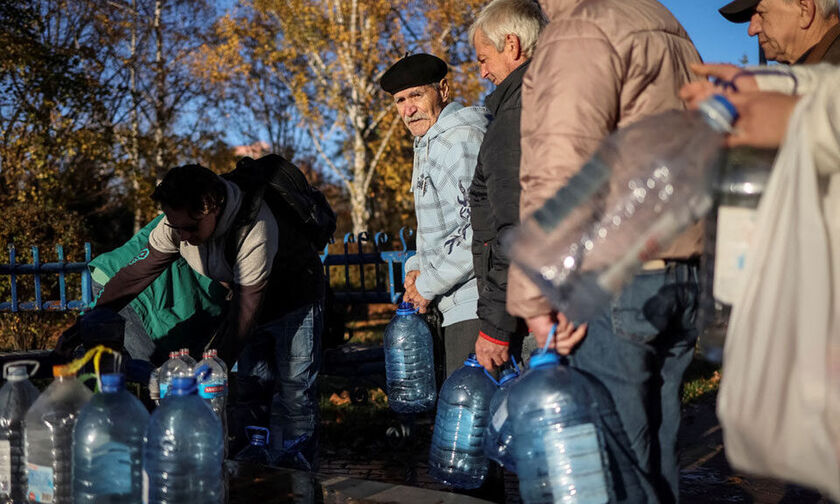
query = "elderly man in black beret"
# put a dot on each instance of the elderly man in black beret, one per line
(801, 32)
(447, 138)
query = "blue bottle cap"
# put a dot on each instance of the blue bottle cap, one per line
(182, 385)
(507, 375)
(258, 435)
(719, 112)
(544, 359)
(113, 382)
(406, 309)
(472, 361)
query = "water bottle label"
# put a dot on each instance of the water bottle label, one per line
(145, 491)
(500, 415)
(210, 390)
(395, 360)
(735, 228)
(575, 451)
(112, 464)
(458, 429)
(5, 467)
(41, 483)
(163, 388)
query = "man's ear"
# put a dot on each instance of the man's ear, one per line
(807, 13)
(444, 90)
(513, 45)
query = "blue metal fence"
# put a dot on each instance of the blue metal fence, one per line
(371, 274)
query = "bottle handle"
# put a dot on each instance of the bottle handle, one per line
(27, 362)
(488, 375)
(249, 429)
(550, 337)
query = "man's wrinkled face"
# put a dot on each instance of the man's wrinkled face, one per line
(776, 23)
(494, 65)
(420, 106)
(193, 229)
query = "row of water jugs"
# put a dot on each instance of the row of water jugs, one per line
(68, 445)
(544, 424)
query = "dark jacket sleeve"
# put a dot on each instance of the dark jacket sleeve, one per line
(240, 321)
(499, 161)
(133, 278)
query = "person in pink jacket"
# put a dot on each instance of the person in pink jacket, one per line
(600, 65)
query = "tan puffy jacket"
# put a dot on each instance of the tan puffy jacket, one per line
(599, 65)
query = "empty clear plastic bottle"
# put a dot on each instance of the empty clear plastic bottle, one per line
(16, 396)
(183, 455)
(644, 186)
(456, 455)
(172, 368)
(108, 446)
(184, 355)
(215, 354)
(212, 387)
(48, 438)
(257, 449)
(559, 447)
(409, 362)
(154, 385)
(498, 439)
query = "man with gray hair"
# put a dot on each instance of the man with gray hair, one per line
(791, 31)
(504, 37)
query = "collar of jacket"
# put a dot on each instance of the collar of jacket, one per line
(508, 87)
(228, 214)
(817, 53)
(439, 126)
(557, 8)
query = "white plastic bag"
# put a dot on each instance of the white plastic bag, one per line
(774, 398)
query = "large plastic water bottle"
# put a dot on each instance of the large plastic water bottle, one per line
(16, 396)
(559, 448)
(108, 446)
(498, 439)
(183, 455)
(213, 387)
(48, 438)
(172, 368)
(409, 362)
(644, 186)
(456, 456)
(257, 449)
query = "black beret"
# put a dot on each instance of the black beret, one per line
(739, 11)
(414, 70)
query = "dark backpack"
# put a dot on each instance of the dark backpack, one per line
(286, 192)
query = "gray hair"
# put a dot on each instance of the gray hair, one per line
(827, 8)
(522, 18)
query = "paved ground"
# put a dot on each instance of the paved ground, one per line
(706, 477)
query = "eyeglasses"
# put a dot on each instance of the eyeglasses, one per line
(192, 228)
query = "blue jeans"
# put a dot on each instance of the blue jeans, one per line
(276, 385)
(639, 350)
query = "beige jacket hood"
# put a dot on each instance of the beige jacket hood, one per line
(599, 65)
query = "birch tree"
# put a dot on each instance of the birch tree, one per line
(330, 55)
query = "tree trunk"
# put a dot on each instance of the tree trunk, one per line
(135, 126)
(160, 90)
(359, 210)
